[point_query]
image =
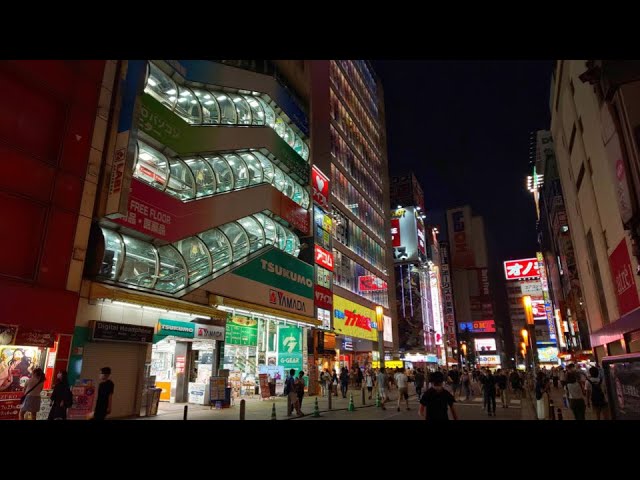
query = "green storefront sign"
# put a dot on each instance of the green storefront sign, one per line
(173, 328)
(282, 271)
(241, 330)
(290, 347)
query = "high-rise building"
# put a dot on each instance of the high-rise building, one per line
(348, 141)
(593, 107)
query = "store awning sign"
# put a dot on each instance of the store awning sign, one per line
(121, 332)
(354, 320)
(174, 328)
(209, 332)
(290, 347)
(35, 338)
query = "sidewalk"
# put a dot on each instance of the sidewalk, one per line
(555, 396)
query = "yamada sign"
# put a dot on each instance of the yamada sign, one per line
(354, 320)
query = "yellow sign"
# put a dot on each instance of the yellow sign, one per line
(165, 395)
(353, 320)
(389, 364)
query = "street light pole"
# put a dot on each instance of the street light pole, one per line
(380, 322)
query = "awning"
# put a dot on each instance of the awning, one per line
(239, 304)
(616, 330)
(100, 290)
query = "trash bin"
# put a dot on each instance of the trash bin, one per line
(153, 400)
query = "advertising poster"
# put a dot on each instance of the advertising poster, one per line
(410, 312)
(83, 400)
(520, 269)
(623, 278)
(10, 405)
(241, 330)
(485, 344)
(263, 379)
(217, 386)
(353, 320)
(290, 347)
(16, 364)
(623, 385)
(404, 232)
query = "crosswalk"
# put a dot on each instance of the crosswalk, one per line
(479, 401)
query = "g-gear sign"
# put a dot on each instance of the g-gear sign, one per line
(524, 268)
(324, 258)
(320, 184)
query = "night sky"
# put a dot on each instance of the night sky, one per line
(463, 127)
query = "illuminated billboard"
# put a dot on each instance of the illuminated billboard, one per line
(480, 326)
(407, 239)
(485, 344)
(523, 268)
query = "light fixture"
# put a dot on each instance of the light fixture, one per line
(152, 82)
(171, 92)
(399, 206)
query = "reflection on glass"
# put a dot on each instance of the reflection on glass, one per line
(151, 166)
(196, 256)
(172, 275)
(270, 115)
(282, 236)
(271, 235)
(203, 176)
(139, 263)
(298, 146)
(161, 87)
(227, 110)
(257, 113)
(181, 182)
(112, 254)
(279, 182)
(224, 175)
(239, 168)
(289, 136)
(288, 189)
(305, 198)
(243, 109)
(267, 166)
(255, 169)
(238, 238)
(290, 244)
(280, 127)
(219, 248)
(254, 231)
(305, 151)
(297, 194)
(210, 108)
(188, 106)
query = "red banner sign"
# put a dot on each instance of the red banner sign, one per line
(324, 258)
(623, 281)
(323, 297)
(371, 283)
(523, 268)
(395, 232)
(320, 184)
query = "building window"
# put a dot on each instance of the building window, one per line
(572, 138)
(598, 278)
(580, 177)
(580, 126)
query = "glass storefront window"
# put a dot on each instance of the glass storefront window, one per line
(267, 167)
(254, 231)
(243, 109)
(172, 274)
(151, 167)
(219, 248)
(112, 254)
(270, 115)
(227, 110)
(140, 263)
(238, 238)
(181, 183)
(224, 175)
(255, 169)
(239, 168)
(196, 256)
(188, 106)
(210, 108)
(257, 112)
(271, 235)
(203, 176)
(161, 87)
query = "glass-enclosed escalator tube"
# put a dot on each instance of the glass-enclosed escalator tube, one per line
(172, 274)
(196, 256)
(255, 232)
(219, 247)
(140, 266)
(238, 238)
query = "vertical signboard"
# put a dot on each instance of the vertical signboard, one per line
(320, 183)
(290, 347)
(459, 221)
(436, 309)
(447, 295)
(545, 295)
(404, 232)
(623, 281)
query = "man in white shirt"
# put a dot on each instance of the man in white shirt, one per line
(403, 387)
(575, 392)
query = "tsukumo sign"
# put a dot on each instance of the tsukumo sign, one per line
(320, 183)
(353, 320)
(523, 268)
(274, 279)
(623, 278)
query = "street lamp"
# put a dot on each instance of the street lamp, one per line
(463, 347)
(380, 323)
(528, 311)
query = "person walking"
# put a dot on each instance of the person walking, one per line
(489, 388)
(403, 387)
(382, 384)
(61, 397)
(574, 387)
(595, 394)
(299, 387)
(370, 380)
(344, 381)
(436, 401)
(542, 396)
(419, 382)
(502, 383)
(105, 395)
(31, 398)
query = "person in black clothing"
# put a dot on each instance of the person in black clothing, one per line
(105, 395)
(344, 381)
(61, 397)
(419, 381)
(435, 402)
(489, 387)
(501, 381)
(454, 375)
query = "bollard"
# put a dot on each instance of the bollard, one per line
(559, 413)
(242, 409)
(273, 411)
(552, 410)
(352, 407)
(316, 409)
(184, 415)
(330, 395)
(363, 398)
(378, 399)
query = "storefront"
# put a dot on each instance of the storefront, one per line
(183, 358)
(263, 343)
(21, 352)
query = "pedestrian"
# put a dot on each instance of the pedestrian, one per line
(382, 383)
(516, 384)
(31, 398)
(489, 388)
(574, 388)
(435, 402)
(334, 382)
(596, 397)
(61, 397)
(542, 396)
(419, 382)
(370, 381)
(105, 395)
(359, 377)
(403, 387)
(299, 386)
(501, 382)
(323, 382)
(344, 381)
(454, 374)
(555, 377)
